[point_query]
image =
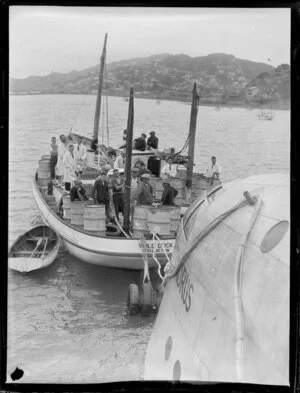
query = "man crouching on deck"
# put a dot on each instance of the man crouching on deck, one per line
(77, 192)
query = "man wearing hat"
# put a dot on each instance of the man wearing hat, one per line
(140, 143)
(144, 192)
(152, 141)
(169, 193)
(142, 168)
(77, 192)
(100, 193)
(117, 184)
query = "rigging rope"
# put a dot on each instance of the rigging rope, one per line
(81, 105)
(188, 137)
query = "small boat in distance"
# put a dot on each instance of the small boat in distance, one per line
(35, 249)
(265, 114)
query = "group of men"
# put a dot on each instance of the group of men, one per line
(66, 160)
(142, 143)
(141, 190)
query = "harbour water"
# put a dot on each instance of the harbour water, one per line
(68, 323)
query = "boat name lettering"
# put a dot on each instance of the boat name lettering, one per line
(186, 287)
(158, 248)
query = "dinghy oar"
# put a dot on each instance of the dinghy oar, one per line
(37, 246)
(46, 242)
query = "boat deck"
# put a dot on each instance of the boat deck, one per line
(53, 201)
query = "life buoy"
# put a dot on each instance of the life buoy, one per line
(133, 299)
(112, 229)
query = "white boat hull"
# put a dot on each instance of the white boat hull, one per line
(29, 264)
(124, 253)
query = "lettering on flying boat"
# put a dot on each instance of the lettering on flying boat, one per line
(186, 287)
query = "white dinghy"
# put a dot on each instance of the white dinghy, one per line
(35, 249)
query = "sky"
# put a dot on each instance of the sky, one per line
(44, 39)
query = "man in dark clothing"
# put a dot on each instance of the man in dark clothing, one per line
(169, 193)
(152, 141)
(77, 192)
(94, 144)
(142, 168)
(144, 192)
(100, 192)
(118, 197)
(140, 143)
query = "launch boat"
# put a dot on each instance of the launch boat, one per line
(224, 315)
(83, 229)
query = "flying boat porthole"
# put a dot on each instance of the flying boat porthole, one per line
(177, 371)
(168, 348)
(274, 236)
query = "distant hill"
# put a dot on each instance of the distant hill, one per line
(222, 79)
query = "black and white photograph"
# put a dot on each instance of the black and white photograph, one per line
(149, 195)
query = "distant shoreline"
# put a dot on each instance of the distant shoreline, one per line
(275, 105)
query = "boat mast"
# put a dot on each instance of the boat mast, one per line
(192, 135)
(130, 121)
(98, 103)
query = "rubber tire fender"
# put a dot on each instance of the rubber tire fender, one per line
(146, 299)
(133, 299)
(115, 227)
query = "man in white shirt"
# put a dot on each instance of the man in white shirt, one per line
(135, 181)
(120, 161)
(69, 167)
(169, 170)
(214, 171)
(80, 152)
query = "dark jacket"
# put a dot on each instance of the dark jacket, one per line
(168, 196)
(140, 144)
(144, 194)
(100, 191)
(116, 183)
(74, 194)
(152, 142)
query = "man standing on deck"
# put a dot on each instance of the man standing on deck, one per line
(120, 161)
(118, 197)
(53, 157)
(169, 193)
(69, 167)
(80, 152)
(214, 171)
(61, 150)
(152, 141)
(100, 193)
(144, 192)
(169, 170)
